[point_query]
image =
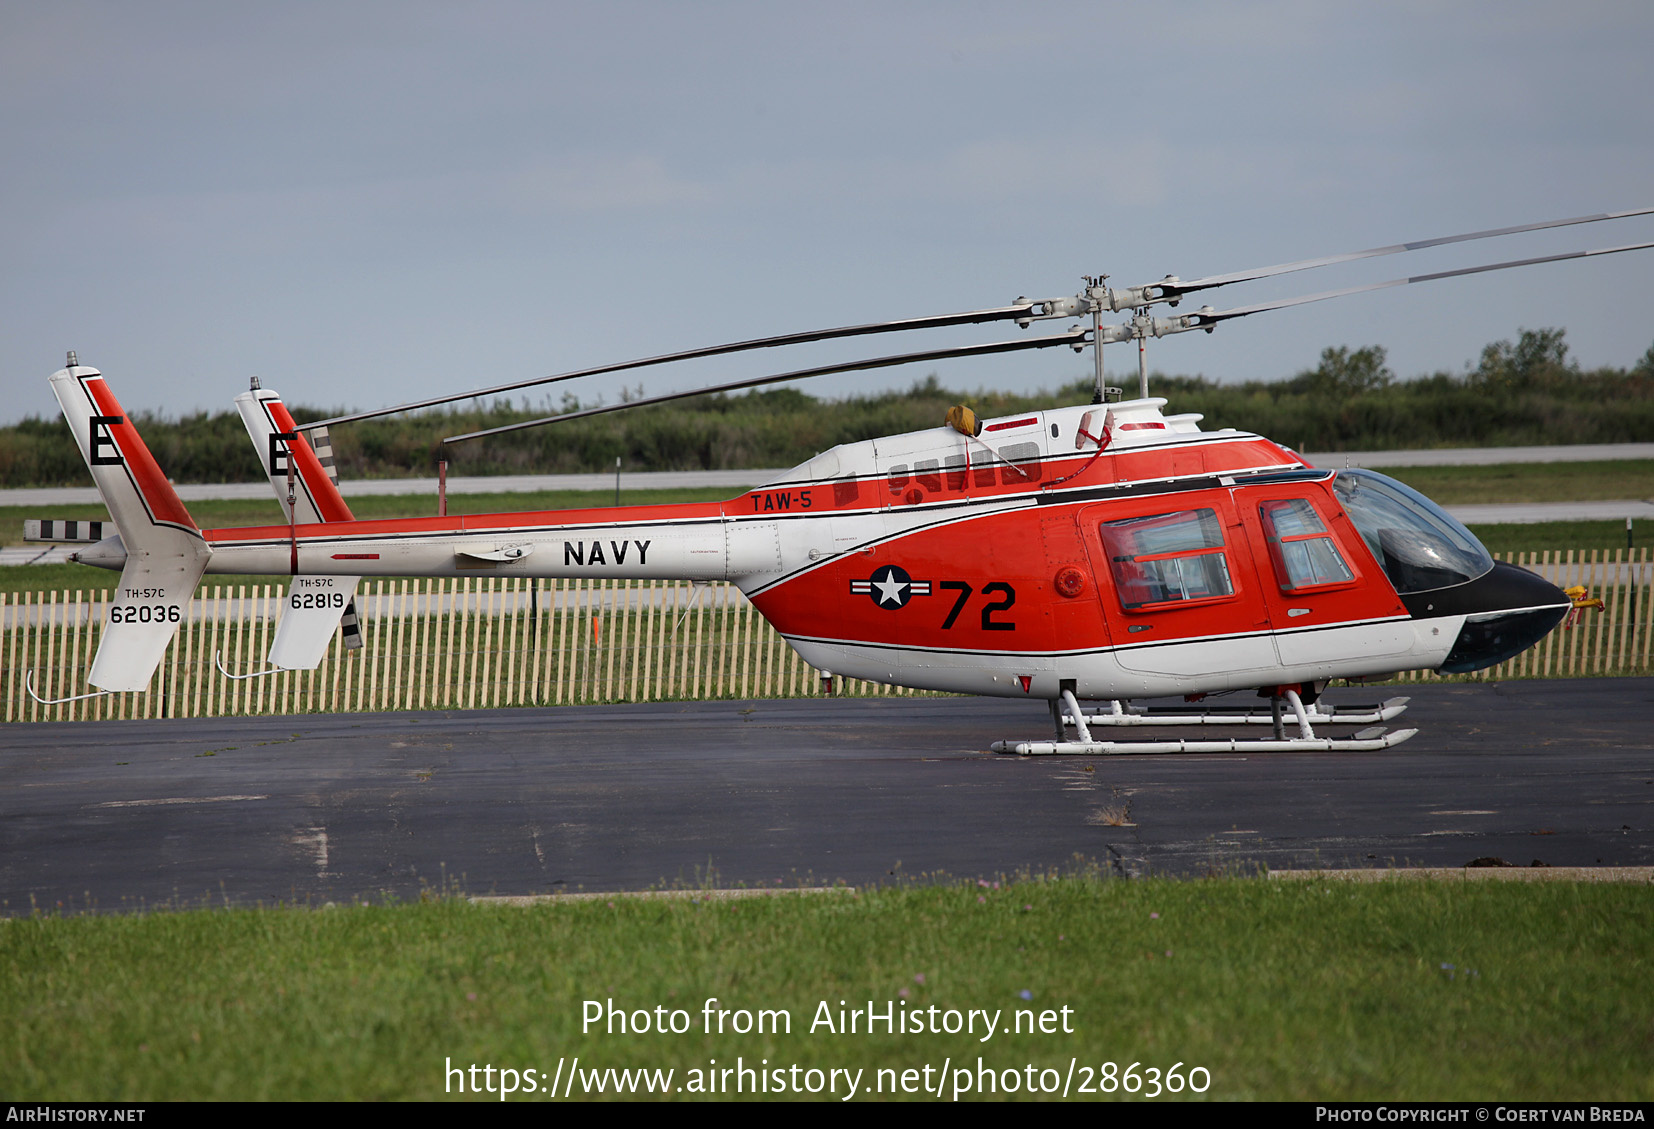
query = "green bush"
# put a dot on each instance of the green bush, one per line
(1520, 393)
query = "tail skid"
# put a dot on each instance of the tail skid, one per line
(28, 684)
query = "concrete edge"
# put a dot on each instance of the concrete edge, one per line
(653, 895)
(1642, 875)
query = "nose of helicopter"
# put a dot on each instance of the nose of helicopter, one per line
(1507, 610)
(1440, 570)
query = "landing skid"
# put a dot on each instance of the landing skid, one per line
(1305, 741)
(1242, 715)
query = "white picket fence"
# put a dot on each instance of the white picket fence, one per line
(467, 643)
(477, 643)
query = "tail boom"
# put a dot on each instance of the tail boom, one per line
(698, 542)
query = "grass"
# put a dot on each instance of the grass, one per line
(1539, 536)
(68, 577)
(1611, 480)
(1419, 990)
(1523, 392)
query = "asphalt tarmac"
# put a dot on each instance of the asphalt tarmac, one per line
(309, 809)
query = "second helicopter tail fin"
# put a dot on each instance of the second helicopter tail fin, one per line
(278, 441)
(315, 605)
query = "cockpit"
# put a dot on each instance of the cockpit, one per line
(1440, 569)
(1419, 546)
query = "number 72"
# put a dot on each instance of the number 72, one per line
(989, 623)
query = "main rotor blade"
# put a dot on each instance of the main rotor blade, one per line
(1000, 313)
(1203, 319)
(1073, 337)
(1211, 281)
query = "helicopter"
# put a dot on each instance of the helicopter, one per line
(1104, 552)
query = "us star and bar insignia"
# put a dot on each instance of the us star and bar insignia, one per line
(890, 587)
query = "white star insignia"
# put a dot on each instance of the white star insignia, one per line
(890, 589)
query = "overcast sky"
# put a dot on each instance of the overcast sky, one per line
(367, 203)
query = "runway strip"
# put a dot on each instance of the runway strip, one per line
(311, 809)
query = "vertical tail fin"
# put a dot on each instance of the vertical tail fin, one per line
(315, 605)
(165, 553)
(276, 438)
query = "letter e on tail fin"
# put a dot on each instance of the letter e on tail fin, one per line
(316, 497)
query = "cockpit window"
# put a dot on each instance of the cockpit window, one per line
(1302, 551)
(1419, 546)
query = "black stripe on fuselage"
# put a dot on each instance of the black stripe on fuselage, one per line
(1116, 648)
(1178, 485)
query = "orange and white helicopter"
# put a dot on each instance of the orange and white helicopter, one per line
(1102, 552)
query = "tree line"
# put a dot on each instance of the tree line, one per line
(1523, 392)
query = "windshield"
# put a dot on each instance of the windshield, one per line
(1419, 546)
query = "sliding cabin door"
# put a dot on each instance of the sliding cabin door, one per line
(1179, 587)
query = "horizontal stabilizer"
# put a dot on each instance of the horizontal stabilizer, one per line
(78, 532)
